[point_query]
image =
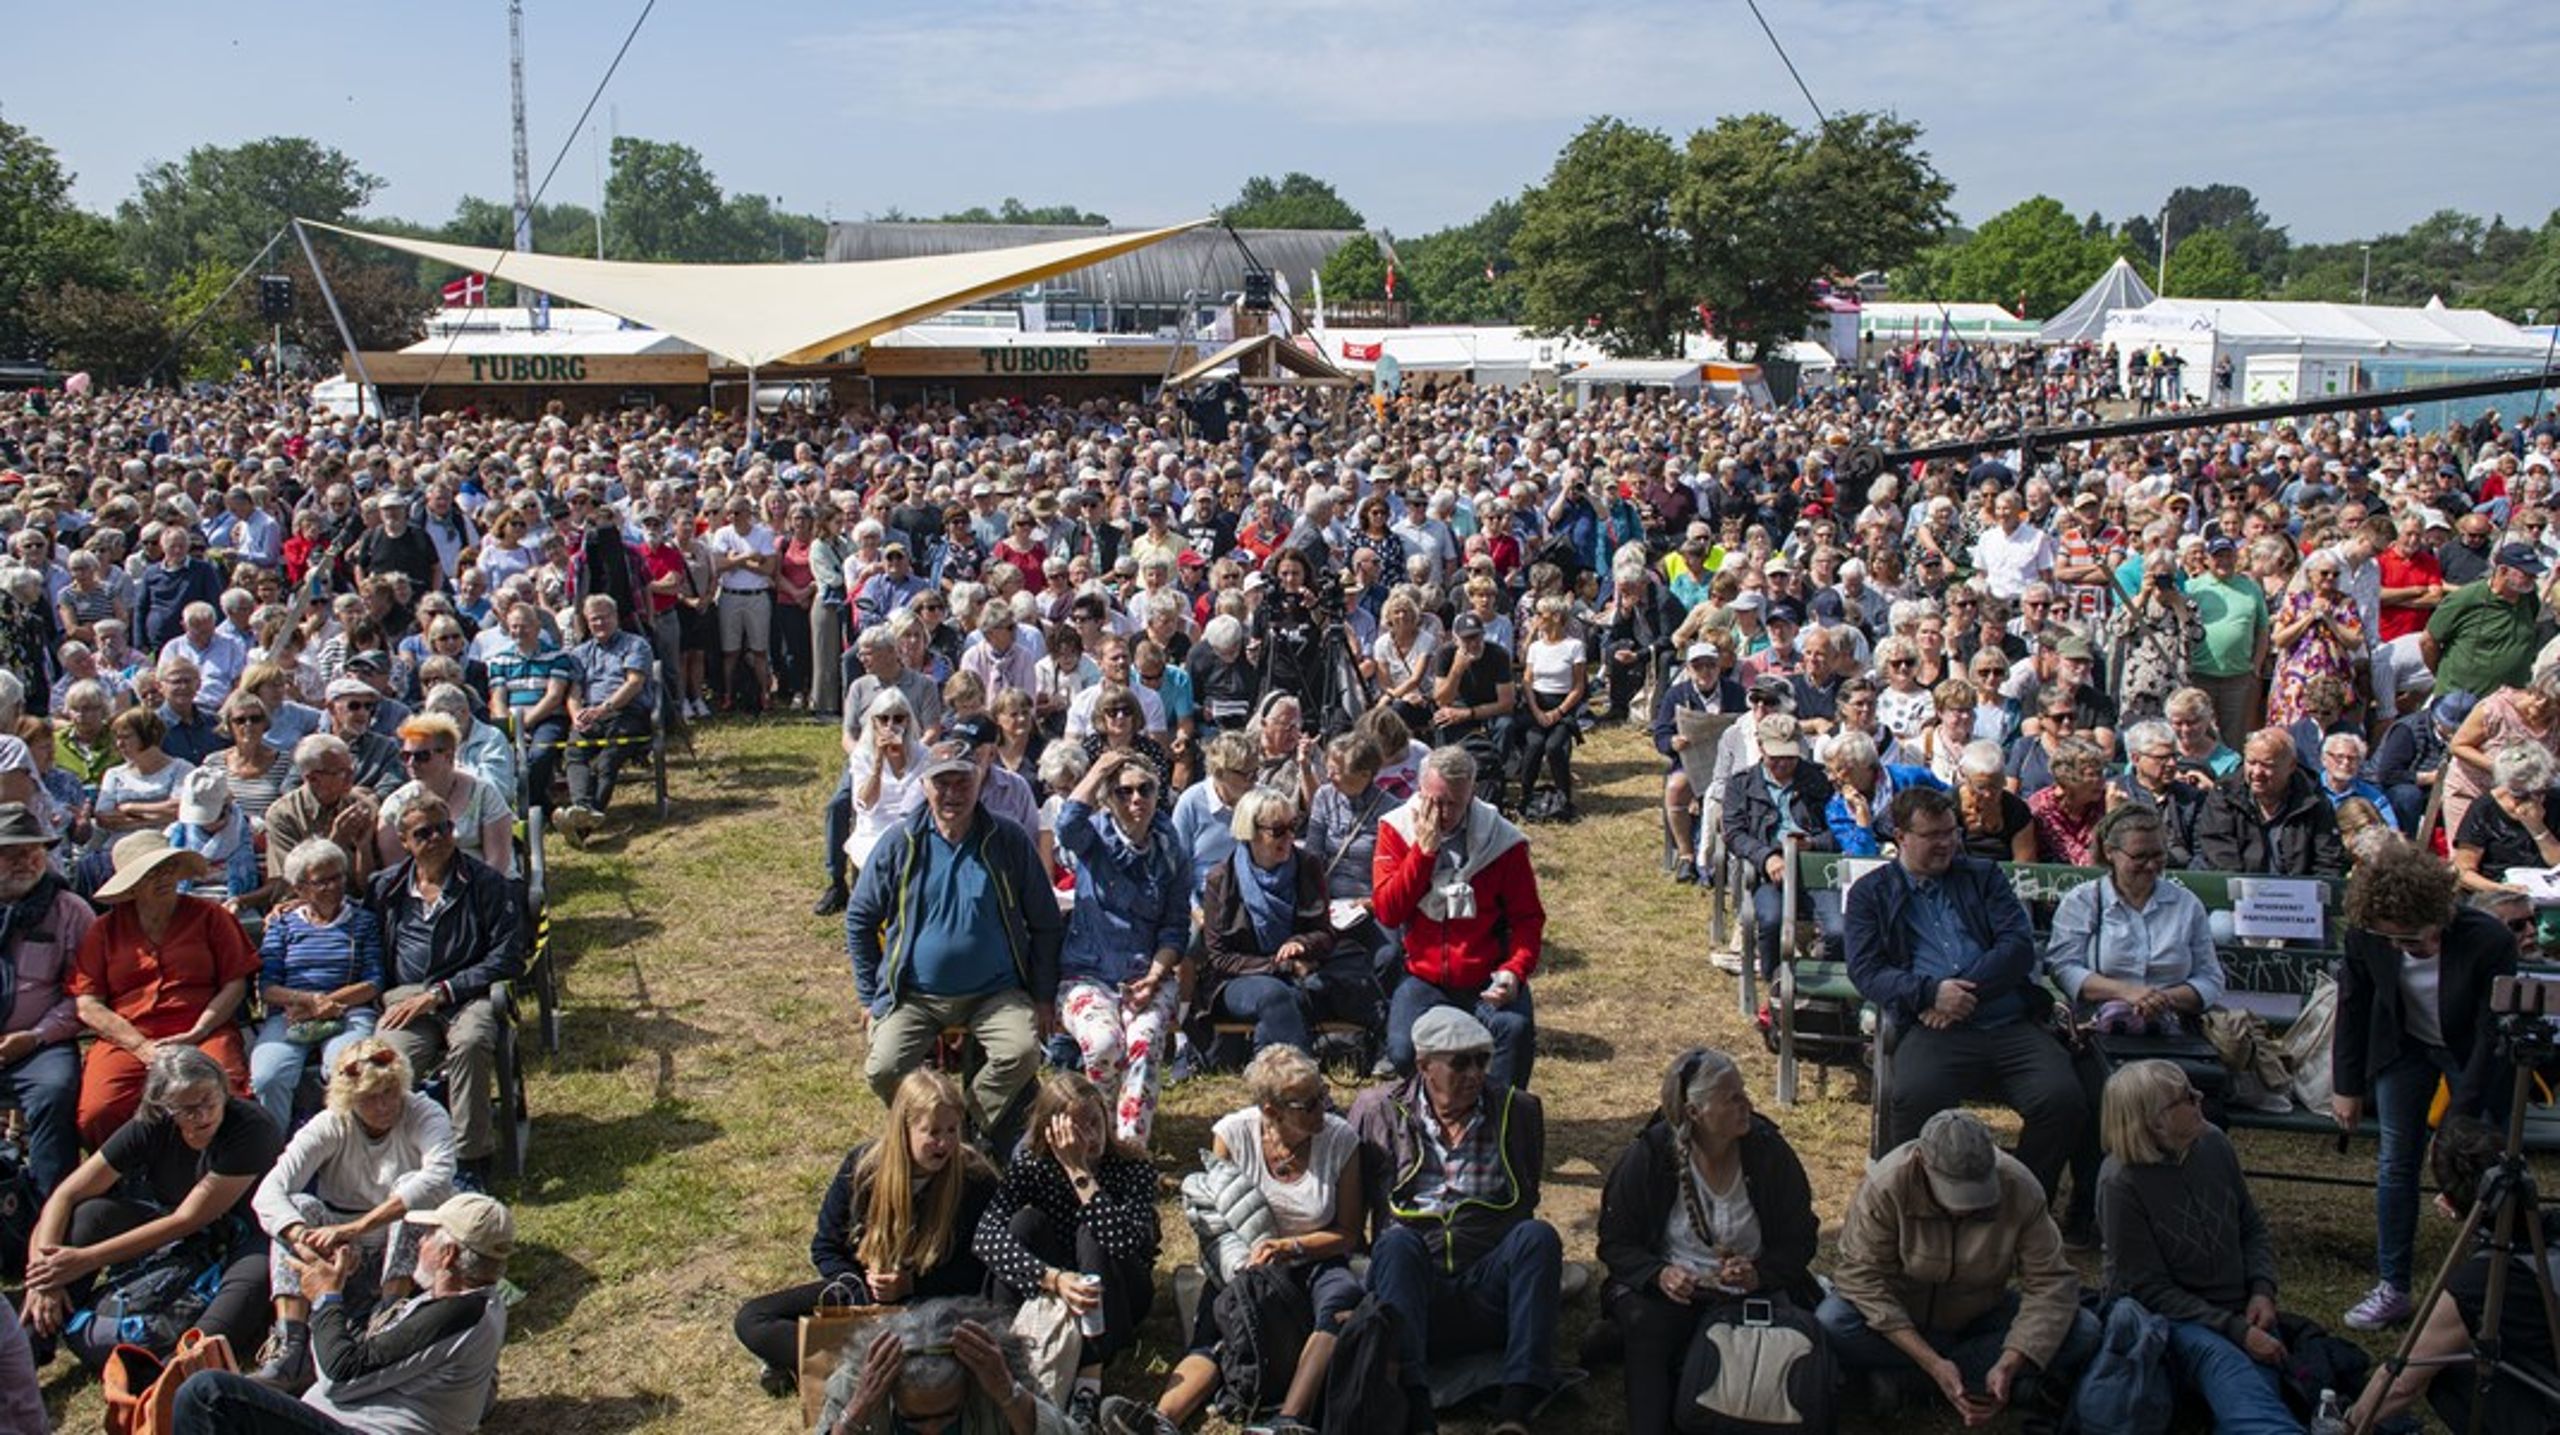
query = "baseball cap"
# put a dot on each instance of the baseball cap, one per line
(949, 756)
(1777, 734)
(976, 730)
(1707, 652)
(1787, 613)
(2221, 545)
(478, 1224)
(2523, 557)
(1466, 625)
(1962, 1165)
(1749, 600)
(21, 827)
(2076, 648)
(348, 688)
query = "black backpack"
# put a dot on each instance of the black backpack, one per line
(1364, 1390)
(1264, 1318)
(149, 1304)
(19, 1207)
(1756, 1366)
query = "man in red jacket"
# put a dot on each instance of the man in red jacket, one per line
(1457, 879)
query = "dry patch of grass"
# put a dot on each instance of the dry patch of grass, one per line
(711, 1083)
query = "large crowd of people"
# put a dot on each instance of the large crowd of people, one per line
(1174, 745)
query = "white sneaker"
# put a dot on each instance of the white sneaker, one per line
(1727, 960)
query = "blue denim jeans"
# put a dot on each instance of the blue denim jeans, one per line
(1514, 1027)
(276, 1064)
(1285, 1011)
(1511, 1289)
(1974, 1347)
(45, 1087)
(2401, 1093)
(2247, 1398)
(217, 1402)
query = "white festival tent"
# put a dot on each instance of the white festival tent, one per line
(757, 314)
(2085, 318)
(2287, 350)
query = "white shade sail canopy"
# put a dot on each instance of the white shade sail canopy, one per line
(755, 314)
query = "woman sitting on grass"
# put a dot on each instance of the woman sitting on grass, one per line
(1075, 1218)
(895, 1225)
(1304, 1159)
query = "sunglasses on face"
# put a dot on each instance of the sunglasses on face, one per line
(1276, 829)
(1133, 791)
(1302, 1106)
(1468, 1060)
(891, 720)
(249, 720)
(420, 754)
(356, 707)
(426, 831)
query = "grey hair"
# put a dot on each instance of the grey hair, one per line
(1692, 1075)
(308, 752)
(2148, 734)
(176, 1068)
(1251, 806)
(1453, 763)
(2345, 739)
(1854, 750)
(1981, 758)
(452, 700)
(877, 638)
(924, 1331)
(311, 856)
(13, 696)
(2523, 767)
(1224, 635)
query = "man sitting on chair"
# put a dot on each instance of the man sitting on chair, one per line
(1940, 942)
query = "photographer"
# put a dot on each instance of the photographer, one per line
(2413, 996)
(2465, 1152)
(2158, 628)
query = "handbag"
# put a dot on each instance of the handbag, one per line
(1054, 1343)
(824, 1334)
(1756, 1365)
(141, 1389)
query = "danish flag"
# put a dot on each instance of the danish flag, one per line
(468, 292)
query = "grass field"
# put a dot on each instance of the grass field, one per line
(710, 1083)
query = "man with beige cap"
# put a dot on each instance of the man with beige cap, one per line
(428, 1366)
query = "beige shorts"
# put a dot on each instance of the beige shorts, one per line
(746, 621)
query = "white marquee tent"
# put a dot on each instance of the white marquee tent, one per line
(2085, 318)
(2281, 351)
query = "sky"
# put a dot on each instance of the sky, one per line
(2346, 118)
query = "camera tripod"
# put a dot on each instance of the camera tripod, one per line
(2507, 1203)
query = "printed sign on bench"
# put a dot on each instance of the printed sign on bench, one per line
(2277, 909)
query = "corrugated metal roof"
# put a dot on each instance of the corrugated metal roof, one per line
(1205, 261)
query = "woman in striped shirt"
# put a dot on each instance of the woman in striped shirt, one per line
(320, 975)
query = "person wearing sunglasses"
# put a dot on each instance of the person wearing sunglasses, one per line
(1120, 971)
(352, 705)
(1267, 927)
(1302, 1159)
(452, 928)
(375, 1152)
(187, 1161)
(429, 748)
(1461, 1253)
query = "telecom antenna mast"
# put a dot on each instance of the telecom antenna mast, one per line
(524, 168)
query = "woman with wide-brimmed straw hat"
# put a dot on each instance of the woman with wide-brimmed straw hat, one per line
(156, 968)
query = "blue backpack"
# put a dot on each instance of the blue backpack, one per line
(2126, 1388)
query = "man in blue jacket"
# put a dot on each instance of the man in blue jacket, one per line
(953, 922)
(1940, 942)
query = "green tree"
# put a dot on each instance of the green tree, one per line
(1294, 201)
(221, 205)
(2033, 253)
(1598, 249)
(1358, 270)
(661, 203)
(1465, 274)
(763, 230)
(2207, 265)
(1014, 211)
(2262, 247)
(490, 223)
(114, 334)
(2532, 281)
(1768, 211)
(46, 242)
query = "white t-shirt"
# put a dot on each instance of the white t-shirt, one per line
(899, 795)
(756, 542)
(2011, 561)
(1150, 711)
(1730, 1219)
(1304, 1205)
(1551, 666)
(476, 803)
(2422, 1000)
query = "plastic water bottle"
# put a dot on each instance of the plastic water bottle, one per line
(2330, 1420)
